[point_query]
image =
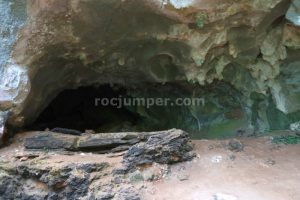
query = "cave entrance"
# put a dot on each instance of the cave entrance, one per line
(83, 109)
(78, 109)
(203, 112)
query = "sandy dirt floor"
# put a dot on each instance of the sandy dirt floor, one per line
(262, 171)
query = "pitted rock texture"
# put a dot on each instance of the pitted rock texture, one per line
(37, 181)
(170, 147)
(165, 147)
(45, 169)
(248, 45)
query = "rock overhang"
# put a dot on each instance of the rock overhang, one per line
(76, 43)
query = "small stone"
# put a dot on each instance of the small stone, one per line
(182, 168)
(270, 162)
(117, 180)
(23, 159)
(149, 175)
(105, 195)
(183, 177)
(136, 177)
(211, 147)
(120, 171)
(295, 126)
(216, 159)
(235, 145)
(224, 197)
(127, 194)
(232, 157)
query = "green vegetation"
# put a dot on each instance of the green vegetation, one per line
(287, 139)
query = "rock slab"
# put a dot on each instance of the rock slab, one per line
(167, 147)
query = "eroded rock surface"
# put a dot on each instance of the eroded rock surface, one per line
(58, 169)
(30, 180)
(166, 148)
(247, 50)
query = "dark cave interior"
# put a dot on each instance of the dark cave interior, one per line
(77, 109)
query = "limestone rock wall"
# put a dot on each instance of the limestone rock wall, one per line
(247, 44)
